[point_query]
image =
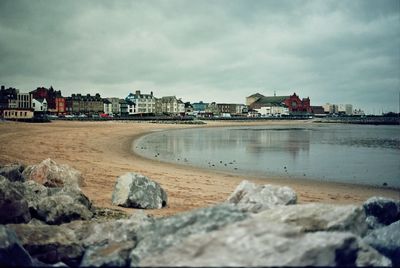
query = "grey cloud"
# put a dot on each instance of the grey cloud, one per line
(337, 51)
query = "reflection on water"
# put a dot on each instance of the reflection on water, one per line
(344, 153)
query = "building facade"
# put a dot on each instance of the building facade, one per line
(24, 100)
(84, 104)
(51, 97)
(8, 98)
(144, 103)
(115, 106)
(293, 103)
(346, 109)
(39, 105)
(199, 106)
(16, 114)
(107, 107)
(267, 111)
(331, 108)
(127, 107)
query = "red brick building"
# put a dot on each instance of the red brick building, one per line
(296, 105)
(55, 101)
(293, 102)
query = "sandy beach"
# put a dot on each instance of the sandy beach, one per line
(102, 152)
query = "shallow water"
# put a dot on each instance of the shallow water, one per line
(343, 153)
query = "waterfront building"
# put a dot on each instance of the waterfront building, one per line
(318, 111)
(232, 108)
(169, 105)
(331, 108)
(107, 107)
(212, 108)
(39, 105)
(181, 107)
(199, 106)
(127, 107)
(24, 101)
(188, 108)
(115, 106)
(144, 103)
(273, 110)
(294, 104)
(85, 104)
(15, 114)
(8, 98)
(346, 109)
(55, 101)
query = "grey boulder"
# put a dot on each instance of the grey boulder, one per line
(250, 197)
(385, 210)
(318, 217)
(61, 208)
(12, 254)
(52, 244)
(163, 233)
(252, 242)
(137, 191)
(51, 174)
(111, 254)
(12, 172)
(386, 240)
(13, 207)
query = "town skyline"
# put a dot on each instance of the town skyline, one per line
(336, 52)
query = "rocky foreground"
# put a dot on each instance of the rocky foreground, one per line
(46, 220)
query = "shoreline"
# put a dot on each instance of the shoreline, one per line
(254, 176)
(102, 151)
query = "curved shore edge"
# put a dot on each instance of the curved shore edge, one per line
(102, 151)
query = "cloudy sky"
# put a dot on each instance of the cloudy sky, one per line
(223, 51)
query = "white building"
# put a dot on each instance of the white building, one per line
(24, 100)
(171, 105)
(39, 105)
(330, 108)
(266, 111)
(144, 103)
(346, 109)
(181, 107)
(107, 107)
(116, 106)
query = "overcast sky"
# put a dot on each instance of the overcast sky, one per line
(223, 51)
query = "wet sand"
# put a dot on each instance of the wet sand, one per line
(102, 152)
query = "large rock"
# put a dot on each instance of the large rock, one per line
(13, 172)
(33, 192)
(51, 174)
(250, 197)
(252, 242)
(99, 244)
(387, 241)
(12, 254)
(51, 244)
(13, 207)
(61, 208)
(385, 210)
(166, 232)
(137, 191)
(112, 254)
(319, 217)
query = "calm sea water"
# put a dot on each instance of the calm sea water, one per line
(343, 153)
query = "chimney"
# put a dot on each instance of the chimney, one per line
(3, 87)
(137, 92)
(274, 93)
(151, 93)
